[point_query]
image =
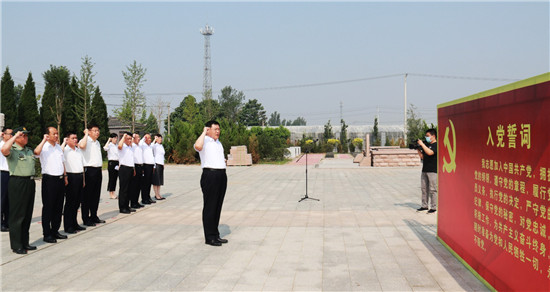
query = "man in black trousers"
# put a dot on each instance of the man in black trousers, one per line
(74, 166)
(135, 184)
(213, 181)
(54, 180)
(148, 167)
(125, 173)
(93, 161)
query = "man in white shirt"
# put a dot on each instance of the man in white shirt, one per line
(125, 172)
(148, 167)
(158, 173)
(54, 180)
(213, 181)
(135, 185)
(6, 135)
(112, 164)
(74, 166)
(93, 161)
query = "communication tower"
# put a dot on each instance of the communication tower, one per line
(207, 31)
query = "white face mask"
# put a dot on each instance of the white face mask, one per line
(428, 139)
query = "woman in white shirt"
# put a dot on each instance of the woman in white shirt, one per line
(112, 156)
(158, 172)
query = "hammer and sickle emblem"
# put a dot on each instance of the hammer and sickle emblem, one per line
(450, 166)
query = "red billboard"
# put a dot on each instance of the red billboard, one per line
(494, 183)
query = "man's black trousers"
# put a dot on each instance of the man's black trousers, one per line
(135, 184)
(21, 193)
(213, 185)
(146, 182)
(53, 195)
(4, 201)
(125, 174)
(73, 192)
(90, 196)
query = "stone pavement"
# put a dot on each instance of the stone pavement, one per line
(364, 234)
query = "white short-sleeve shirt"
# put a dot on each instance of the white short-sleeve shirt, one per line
(92, 154)
(74, 160)
(3, 160)
(138, 154)
(158, 152)
(51, 159)
(126, 156)
(148, 157)
(212, 154)
(112, 151)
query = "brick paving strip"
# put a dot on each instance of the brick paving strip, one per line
(363, 235)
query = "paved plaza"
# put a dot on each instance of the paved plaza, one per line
(364, 234)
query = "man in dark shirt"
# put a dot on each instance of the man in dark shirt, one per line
(428, 182)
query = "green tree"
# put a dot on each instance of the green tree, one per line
(99, 117)
(344, 136)
(86, 87)
(7, 100)
(180, 143)
(18, 90)
(209, 109)
(28, 113)
(71, 118)
(134, 98)
(151, 124)
(274, 119)
(299, 121)
(376, 134)
(53, 101)
(252, 114)
(327, 134)
(231, 102)
(272, 142)
(415, 124)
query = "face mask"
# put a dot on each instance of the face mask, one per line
(428, 140)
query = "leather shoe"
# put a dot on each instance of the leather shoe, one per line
(78, 227)
(145, 202)
(89, 223)
(125, 211)
(161, 198)
(20, 251)
(152, 201)
(132, 210)
(60, 236)
(97, 220)
(70, 231)
(221, 240)
(213, 242)
(50, 239)
(136, 206)
(30, 247)
(5, 229)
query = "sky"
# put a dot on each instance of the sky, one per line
(317, 60)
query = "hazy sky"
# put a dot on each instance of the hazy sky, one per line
(258, 45)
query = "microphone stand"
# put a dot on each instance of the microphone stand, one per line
(306, 196)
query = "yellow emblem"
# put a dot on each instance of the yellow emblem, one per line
(450, 166)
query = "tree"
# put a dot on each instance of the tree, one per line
(28, 112)
(151, 124)
(344, 136)
(328, 132)
(299, 121)
(274, 119)
(376, 134)
(159, 108)
(209, 109)
(7, 100)
(86, 86)
(134, 98)
(99, 117)
(415, 124)
(252, 114)
(57, 85)
(71, 119)
(18, 90)
(231, 102)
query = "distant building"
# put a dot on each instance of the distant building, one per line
(117, 127)
(316, 132)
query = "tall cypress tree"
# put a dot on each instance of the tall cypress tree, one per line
(7, 102)
(99, 116)
(53, 101)
(28, 113)
(71, 121)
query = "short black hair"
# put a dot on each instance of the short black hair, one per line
(128, 133)
(69, 133)
(6, 128)
(210, 123)
(432, 132)
(92, 125)
(158, 135)
(113, 135)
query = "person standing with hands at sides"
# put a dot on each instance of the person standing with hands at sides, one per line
(158, 172)
(125, 172)
(213, 181)
(21, 189)
(91, 150)
(4, 201)
(74, 165)
(112, 165)
(135, 184)
(54, 180)
(148, 166)
(428, 180)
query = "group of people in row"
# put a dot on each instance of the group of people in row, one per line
(71, 179)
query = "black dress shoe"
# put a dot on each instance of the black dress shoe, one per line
(89, 223)
(60, 236)
(71, 231)
(221, 240)
(213, 242)
(136, 206)
(30, 247)
(152, 202)
(78, 227)
(145, 202)
(97, 220)
(132, 210)
(5, 229)
(50, 239)
(421, 209)
(161, 198)
(20, 251)
(125, 211)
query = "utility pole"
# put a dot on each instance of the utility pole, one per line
(405, 113)
(169, 119)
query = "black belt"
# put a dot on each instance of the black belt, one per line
(122, 165)
(74, 173)
(22, 177)
(5, 171)
(85, 167)
(53, 176)
(214, 169)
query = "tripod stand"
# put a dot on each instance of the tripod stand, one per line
(306, 196)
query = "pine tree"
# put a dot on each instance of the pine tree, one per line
(53, 101)
(7, 102)
(344, 136)
(98, 116)
(134, 99)
(28, 113)
(151, 124)
(72, 122)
